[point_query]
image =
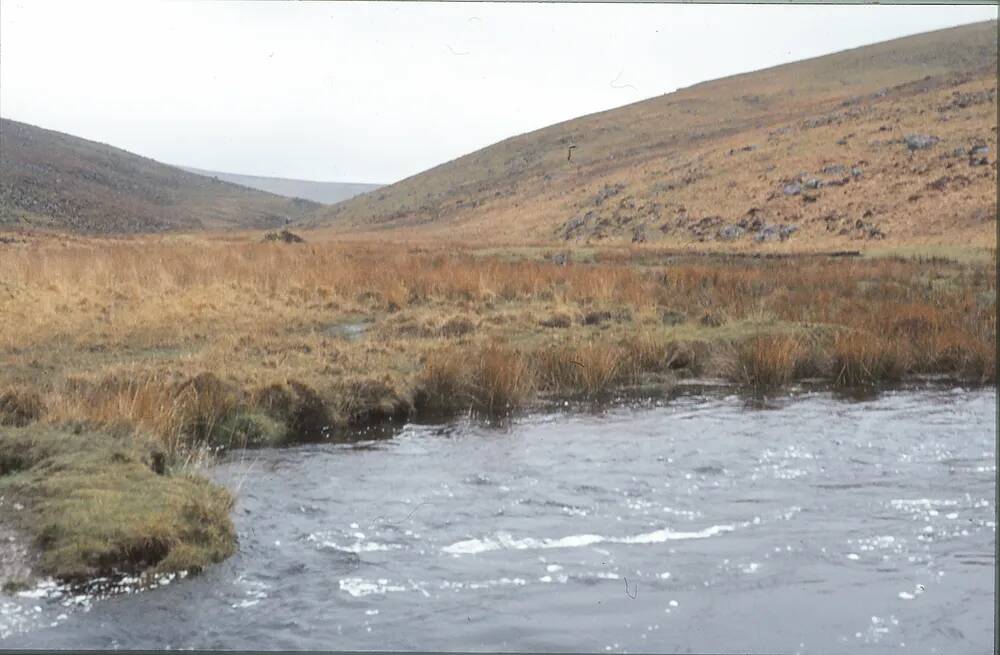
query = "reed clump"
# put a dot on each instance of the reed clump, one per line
(963, 355)
(492, 379)
(589, 369)
(766, 361)
(862, 358)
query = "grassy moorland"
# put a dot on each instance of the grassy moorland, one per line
(52, 180)
(882, 142)
(125, 361)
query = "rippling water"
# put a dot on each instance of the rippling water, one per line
(701, 523)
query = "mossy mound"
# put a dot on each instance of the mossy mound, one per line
(93, 505)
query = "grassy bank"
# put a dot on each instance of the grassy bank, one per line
(96, 503)
(161, 348)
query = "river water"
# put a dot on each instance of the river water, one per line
(702, 522)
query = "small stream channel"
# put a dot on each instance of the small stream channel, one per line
(701, 522)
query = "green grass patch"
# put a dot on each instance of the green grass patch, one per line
(955, 253)
(94, 505)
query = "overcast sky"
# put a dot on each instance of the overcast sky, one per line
(376, 92)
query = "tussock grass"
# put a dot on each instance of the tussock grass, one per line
(590, 368)
(498, 379)
(766, 361)
(120, 331)
(963, 355)
(865, 359)
(648, 352)
(457, 326)
(197, 343)
(493, 379)
(19, 408)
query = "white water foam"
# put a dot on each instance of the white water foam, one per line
(358, 587)
(504, 540)
(360, 545)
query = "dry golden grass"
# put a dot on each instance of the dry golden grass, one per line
(724, 149)
(766, 361)
(493, 379)
(864, 358)
(230, 340)
(145, 353)
(590, 368)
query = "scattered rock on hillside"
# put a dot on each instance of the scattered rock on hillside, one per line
(811, 123)
(832, 221)
(730, 232)
(703, 228)
(284, 236)
(608, 191)
(961, 100)
(978, 155)
(949, 182)
(577, 226)
(920, 141)
(792, 189)
(779, 232)
(868, 230)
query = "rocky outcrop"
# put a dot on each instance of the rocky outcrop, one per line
(920, 141)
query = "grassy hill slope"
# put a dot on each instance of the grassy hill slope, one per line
(810, 152)
(56, 181)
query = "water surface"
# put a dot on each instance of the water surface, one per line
(702, 523)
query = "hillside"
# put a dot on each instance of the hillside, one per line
(327, 193)
(53, 180)
(894, 141)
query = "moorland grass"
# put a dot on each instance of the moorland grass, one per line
(198, 343)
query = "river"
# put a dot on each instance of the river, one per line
(702, 522)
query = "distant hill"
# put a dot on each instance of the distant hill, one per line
(895, 140)
(53, 180)
(322, 192)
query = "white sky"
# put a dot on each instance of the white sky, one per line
(376, 92)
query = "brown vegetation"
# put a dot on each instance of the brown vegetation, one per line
(178, 337)
(124, 360)
(182, 345)
(890, 143)
(766, 361)
(57, 181)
